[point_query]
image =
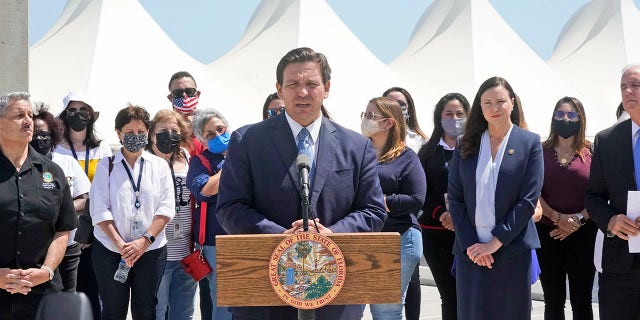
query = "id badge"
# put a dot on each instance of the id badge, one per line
(136, 229)
(178, 230)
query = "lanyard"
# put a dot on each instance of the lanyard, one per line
(136, 188)
(86, 156)
(175, 186)
(444, 158)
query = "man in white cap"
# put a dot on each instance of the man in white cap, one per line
(183, 94)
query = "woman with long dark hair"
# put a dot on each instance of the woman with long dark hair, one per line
(80, 141)
(494, 184)
(449, 118)
(566, 233)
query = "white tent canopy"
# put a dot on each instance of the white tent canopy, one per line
(278, 26)
(458, 44)
(598, 41)
(115, 52)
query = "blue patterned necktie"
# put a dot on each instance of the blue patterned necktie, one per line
(636, 159)
(304, 147)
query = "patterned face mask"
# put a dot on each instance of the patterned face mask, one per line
(134, 142)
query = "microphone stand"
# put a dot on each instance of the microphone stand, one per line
(302, 163)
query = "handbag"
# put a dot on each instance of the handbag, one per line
(195, 263)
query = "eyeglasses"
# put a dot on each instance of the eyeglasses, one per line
(42, 135)
(84, 110)
(571, 115)
(274, 112)
(212, 134)
(371, 116)
(179, 93)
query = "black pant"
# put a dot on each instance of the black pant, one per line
(619, 296)
(142, 282)
(18, 306)
(68, 267)
(86, 281)
(206, 305)
(572, 257)
(437, 246)
(414, 296)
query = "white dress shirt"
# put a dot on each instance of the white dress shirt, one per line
(78, 182)
(486, 180)
(113, 198)
(314, 132)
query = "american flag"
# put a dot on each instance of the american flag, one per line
(185, 104)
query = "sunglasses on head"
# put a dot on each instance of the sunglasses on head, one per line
(571, 115)
(275, 112)
(179, 93)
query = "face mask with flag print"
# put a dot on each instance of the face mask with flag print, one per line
(185, 104)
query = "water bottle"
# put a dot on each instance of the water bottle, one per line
(122, 273)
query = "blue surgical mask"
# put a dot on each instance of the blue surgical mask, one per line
(220, 143)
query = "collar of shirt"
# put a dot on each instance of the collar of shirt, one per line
(145, 155)
(634, 130)
(445, 146)
(314, 128)
(32, 157)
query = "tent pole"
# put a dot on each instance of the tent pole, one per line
(14, 46)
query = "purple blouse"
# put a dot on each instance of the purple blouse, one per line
(563, 188)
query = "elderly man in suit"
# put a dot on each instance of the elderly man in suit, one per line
(259, 183)
(616, 158)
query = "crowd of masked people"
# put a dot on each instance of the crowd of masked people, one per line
(490, 206)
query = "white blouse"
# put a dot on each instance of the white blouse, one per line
(486, 179)
(114, 199)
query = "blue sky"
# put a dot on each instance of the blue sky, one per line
(385, 26)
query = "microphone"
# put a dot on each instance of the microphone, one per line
(303, 164)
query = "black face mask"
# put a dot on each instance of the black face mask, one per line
(78, 121)
(166, 141)
(43, 146)
(566, 128)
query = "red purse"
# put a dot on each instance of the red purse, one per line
(195, 263)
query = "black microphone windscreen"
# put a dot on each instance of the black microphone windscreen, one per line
(302, 161)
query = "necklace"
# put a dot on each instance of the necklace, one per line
(565, 159)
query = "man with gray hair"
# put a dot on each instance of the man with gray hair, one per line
(616, 157)
(36, 214)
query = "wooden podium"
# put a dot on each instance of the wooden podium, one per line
(372, 260)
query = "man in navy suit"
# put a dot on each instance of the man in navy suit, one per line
(259, 186)
(612, 176)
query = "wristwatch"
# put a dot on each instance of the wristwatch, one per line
(149, 237)
(48, 269)
(580, 218)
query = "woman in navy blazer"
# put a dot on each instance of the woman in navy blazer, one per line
(494, 183)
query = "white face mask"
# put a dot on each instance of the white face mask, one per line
(369, 127)
(453, 127)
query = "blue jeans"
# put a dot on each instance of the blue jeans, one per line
(218, 313)
(410, 253)
(176, 293)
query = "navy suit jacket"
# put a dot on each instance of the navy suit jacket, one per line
(259, 192)
(612, 176)
(517, 192)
